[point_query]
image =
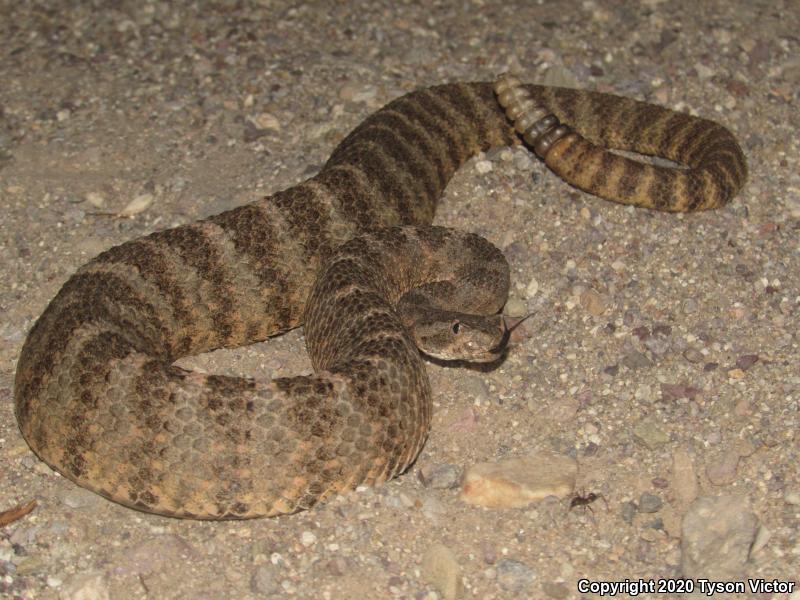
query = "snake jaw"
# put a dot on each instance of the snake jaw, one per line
(503, 343)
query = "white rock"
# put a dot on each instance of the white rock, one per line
(518, 482)
(307, 538)
(137, 205)
(95, 199)
(267, 121)
(483, 166)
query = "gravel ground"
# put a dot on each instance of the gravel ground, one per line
(663, 351)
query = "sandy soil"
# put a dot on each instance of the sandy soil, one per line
(656, 338)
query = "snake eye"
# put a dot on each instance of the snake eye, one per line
(455, 327)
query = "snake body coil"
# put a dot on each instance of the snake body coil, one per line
(97, 396)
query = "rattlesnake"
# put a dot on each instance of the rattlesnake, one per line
(96, 394)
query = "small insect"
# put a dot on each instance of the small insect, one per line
(586, 501)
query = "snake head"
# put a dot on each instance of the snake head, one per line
(471, 338)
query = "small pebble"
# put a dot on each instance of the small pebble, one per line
(337, 566)
(792, 497)
(264, 580)
(267, 121)
(693, 355)
(717, 534)
(722, 470)
(627, 511)
(523, 161)
(657, 345)
(441, 569)
(703, 72)
(736, 373)
(636, 360)
(467, 420)
(763, 536)
(95, 199)
(649, 503)
(515, 577)
(356, 92)
(137, 205)
(689, 306)
(483, 166)
(594, 303)
(643, 392)
(396, 582)
(651, 434)
(489, 553)
(662, 329)
(591, 449)
(31, 565)
(255, 62)
(440, 477)
(746, 361)
(307, 538)
(675, 391)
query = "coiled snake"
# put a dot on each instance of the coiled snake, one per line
(98, 398)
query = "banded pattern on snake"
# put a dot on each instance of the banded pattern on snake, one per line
(97, 396)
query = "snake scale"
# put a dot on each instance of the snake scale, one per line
(98, 398)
